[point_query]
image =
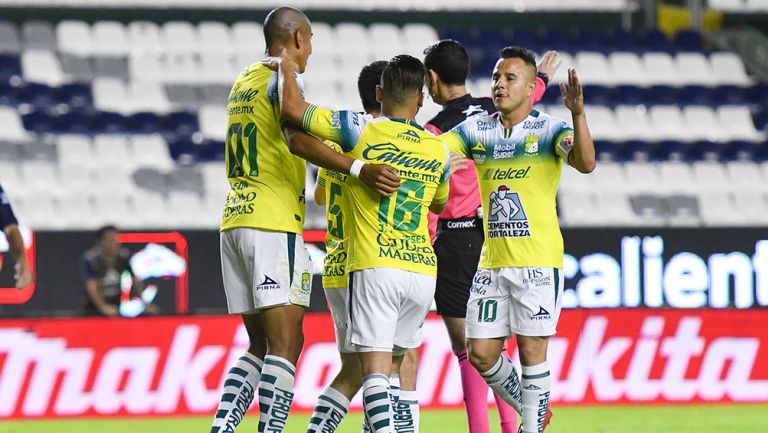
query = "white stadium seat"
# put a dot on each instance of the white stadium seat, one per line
(387, 41)
(628, 68)
(12, 129)
(145, 38)
(152, 151)
(42, 66)
(417, 37)
(738, 122)
(110, 94)
(668, 122)
(75, 150)
(728, 69)
(593, 68)
(179, 37)
(703, 123)
(214, 37)
(249, 39)
(75, 38)
(213, 122)
(661, 69)
(695, 68)
(634, 123)
(111, 39)
(143, 65)
(148, 96)
(677, 177)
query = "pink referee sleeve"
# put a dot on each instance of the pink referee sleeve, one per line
(538, 92)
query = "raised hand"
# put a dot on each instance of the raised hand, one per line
(550, 63)
(458, 162)
(383, 178)
(573, 93)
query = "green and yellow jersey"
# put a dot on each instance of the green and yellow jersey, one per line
(266, 180)
(336, 208)
(518, 170)
(387, 232)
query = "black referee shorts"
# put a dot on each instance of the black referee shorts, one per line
(457, 248)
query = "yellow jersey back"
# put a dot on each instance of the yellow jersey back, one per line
(266, 180)
(388, 232)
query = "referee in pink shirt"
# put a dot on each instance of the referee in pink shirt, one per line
(458, 231)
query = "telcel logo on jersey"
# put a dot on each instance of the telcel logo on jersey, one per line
(391, 154)
(510, 173)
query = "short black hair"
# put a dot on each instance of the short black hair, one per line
(104, 230)
(280, 24)
(449, 59)
(369, 78)
(403, 77)
(524, 54)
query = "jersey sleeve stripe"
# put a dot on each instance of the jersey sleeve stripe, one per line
(307, 119)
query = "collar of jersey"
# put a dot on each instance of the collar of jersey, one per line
(401, 120)
(497, 115)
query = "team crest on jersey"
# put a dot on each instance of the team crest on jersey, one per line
(507, 218)
(531, 144)
(306, 279)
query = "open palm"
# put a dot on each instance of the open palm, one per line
(573, 93)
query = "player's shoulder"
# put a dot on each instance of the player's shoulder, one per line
(541, 119)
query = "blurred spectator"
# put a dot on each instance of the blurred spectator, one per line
(104, 267)
(9, 226)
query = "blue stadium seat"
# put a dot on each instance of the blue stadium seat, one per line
(554, 39)
(727, 95)
(181, 147)
(695, 95)
(74, 122)
(39, 122)
(758, 94)
(760, 118)
(210, 150)
(9, 66)
(688, 40)
(628, 95)
(594, 94)
(37, 94)
(107, 122)
(740, 151)
(607, 150)
(640, 151)
(655, 40)
(8, 94)
(181, 123)
(75, 95)
(621, 40)
(661, 95)
(705, 151)
(671, 150)
(143, 123)
(520, 37)
(590, 40)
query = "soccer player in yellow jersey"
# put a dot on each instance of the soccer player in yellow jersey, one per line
(333, 403)
(265, 266)
(517, 289)
(391, 262)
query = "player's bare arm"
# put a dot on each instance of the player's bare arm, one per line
(23, 274)
(582, 157)
(549, 63)
(320, 194)
(382, 178)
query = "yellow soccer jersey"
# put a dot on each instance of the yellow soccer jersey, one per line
(266, 180)
(387, 232)
(518, 170)
(335, 264)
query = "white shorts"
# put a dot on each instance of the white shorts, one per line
(522, 301)
(263, 269)
(387, 308)
(338, 302)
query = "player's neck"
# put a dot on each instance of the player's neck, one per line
(449, 93)
(508, 120)
(399, 112)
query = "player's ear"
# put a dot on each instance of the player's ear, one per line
(379, 93)
(433, 77)
(421, 99)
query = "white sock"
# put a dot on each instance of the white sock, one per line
(406, 416)
(394, 389)
(535, 390)
(329, 410)
(238, 393)
(376, 403)
(275, 393)
(502, 379)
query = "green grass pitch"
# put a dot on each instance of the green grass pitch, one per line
(573, 419)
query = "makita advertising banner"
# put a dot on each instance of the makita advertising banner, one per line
(603, 268)
(176, 365)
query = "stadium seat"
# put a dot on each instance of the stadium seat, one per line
(388, 41)
(217, 68)
(667, 121)
(738, 120)
(655, 41)
(650, 209)
(677, 177)
(113, 149)
(710, 176)
(179, 37)
(151, 151)
(683, 210)
(75, 177)
(593, 68)
(41, 66)
(146, 67)
(38, 35)
(145, 39)
(418, 37)
(74, 95)
(577, 208)
(353, 41)
(603, 123)
(187, 209)
(76, 68)
(74, 122)
(249, 39)
(696, 69)
(110, 94)
(728, 69)
(112, 209)
(181, 68)
(628, 68)
(751, 206)
(661, 69)
(688, 40)
(703, 123)
(74, 38)
(147, 96)
(614, 209)
(215, 37)
(111, 38)
(746, 175)
(9, 38)
(10, 66)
